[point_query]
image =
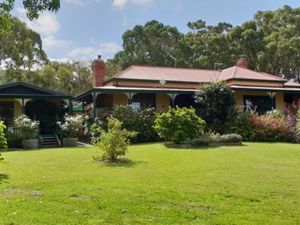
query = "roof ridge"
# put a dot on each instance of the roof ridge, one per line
(234, 70)
(170, 67)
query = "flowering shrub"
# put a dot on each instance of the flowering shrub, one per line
(29, 128)
(270, 128)
(71, 125)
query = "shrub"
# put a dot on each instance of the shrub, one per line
(95, 130)
(200, 141)
(225, 138)
(275, 113)
(269, 128)
(240, 124)
(231, 138)
(113, 142)
(297, 128)
(29, 128)
(71, 125)
(3, 140)
(140, 121)
(178, 124)
(216, 101)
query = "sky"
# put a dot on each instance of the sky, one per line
(83, 29)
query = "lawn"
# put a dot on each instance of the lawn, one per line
(251, 184)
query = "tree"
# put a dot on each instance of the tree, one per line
(154, 44)
(216, 101)
(21, 47)
(33, 9)
(270, 41)
(111, 69)
(113, 142)
(178, 124)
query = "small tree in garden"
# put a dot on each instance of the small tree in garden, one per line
(71, 125)
(29, 128)
(178, 124)
(3, 141)
(216, 102)
(114, 142)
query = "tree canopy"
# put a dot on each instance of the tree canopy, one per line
(33, 9)
(270, 41)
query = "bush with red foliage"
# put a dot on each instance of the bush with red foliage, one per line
(270, 128)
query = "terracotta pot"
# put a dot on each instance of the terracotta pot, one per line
(70, 142)
(30, 143)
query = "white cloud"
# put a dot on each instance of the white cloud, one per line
(46, 24)
(107, 50)
(76, 2)
(82, 2)
(120, 4)
(52, 42)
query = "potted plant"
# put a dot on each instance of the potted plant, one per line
(29, 131)
(70, 128)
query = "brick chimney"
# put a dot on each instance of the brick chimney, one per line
(242, 62)
(98, 67)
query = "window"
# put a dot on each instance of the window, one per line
(260, 104)
(7, 113)
(144, 100)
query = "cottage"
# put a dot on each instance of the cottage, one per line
(162, 87)
(37, 103)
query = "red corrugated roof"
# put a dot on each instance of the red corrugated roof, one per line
(193, 75)
(236, 72)
(168, 74)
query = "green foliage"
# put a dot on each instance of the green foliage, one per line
(216, 101)
(239, 123)
(270, 41)
(154, 43)
(22, 46)
(113, 142)
(203, 140)
(178, 124)
(95, 130)
(275, 113)
(71, 125)
(297, 130)
(3, 140)
(140, 121)
(225, 138)
(29, 128)
(33, 9)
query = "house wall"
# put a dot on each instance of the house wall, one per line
(17, 108)
(120, 99)
(162, 102)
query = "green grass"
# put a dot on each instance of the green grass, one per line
(251, 184)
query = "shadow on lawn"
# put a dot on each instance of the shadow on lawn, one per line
(208, 147)
(3, 177)
(127, 163)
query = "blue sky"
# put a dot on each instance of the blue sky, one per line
(84, 28)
